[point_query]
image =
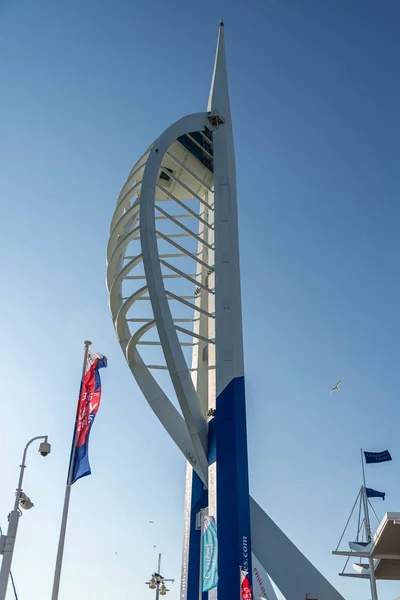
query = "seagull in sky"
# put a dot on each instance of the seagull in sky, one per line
(336, 388)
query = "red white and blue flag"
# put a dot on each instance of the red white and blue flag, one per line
(88, 405)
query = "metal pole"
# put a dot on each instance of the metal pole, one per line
(13, 520)
(11, 577)
(201, 554)
(159, 573)
(374, 591)
(64, 519)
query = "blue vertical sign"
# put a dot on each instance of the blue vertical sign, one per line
(209, 554)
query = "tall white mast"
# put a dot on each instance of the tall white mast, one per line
(186, 181)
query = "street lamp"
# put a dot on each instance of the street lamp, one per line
(157, 581)
(7, 542)
(152, 583)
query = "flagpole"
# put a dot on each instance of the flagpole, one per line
(372, 579)
(159, 573)
(61, 541)
(366, 511)
(240, 582)
(201, 555)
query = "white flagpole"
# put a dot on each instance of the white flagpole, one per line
(61, 541)
(159, 573)
(372, 579)
(367, 522)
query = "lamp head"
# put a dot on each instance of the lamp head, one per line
(25, 502)
(45, 448)
(152, 584)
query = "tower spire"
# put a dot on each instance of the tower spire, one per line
(218, 100)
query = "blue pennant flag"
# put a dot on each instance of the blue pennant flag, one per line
(377, 457)
(374, 493)
(209, 554)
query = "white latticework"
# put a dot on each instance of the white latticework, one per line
(160, 277)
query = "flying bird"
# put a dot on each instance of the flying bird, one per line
(151, 521)
(336, 388)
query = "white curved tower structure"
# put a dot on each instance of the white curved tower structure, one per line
(174, 285)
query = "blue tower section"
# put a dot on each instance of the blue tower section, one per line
(199, 501)
(234, 537)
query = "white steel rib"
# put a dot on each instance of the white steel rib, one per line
(162, 235)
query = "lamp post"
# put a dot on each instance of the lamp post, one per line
(13, 518)
(157, 581)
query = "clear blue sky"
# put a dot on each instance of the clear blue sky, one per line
(86, 87)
